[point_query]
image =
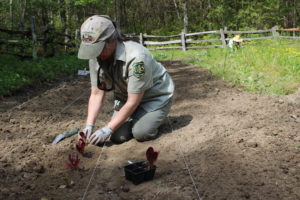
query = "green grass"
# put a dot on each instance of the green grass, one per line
(267, 66)
(16, 73)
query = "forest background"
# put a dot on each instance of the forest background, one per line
(153, 17)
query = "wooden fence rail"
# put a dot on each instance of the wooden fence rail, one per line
(36, 37)
(184, 41)
(222, 36)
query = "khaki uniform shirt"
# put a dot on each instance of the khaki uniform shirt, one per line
(134, 70)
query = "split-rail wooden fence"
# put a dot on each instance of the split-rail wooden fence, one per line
(185, 40)
(44, 39)
(41, 38)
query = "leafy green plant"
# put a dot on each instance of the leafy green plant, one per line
(226, 134)
(274, 134)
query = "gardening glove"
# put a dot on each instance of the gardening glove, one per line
(100, 136)
(88, 130)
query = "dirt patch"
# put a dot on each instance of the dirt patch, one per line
(27, 92)
(237, 145)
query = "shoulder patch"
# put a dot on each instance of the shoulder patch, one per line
(138, 69)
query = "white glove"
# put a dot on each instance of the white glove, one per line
(100, 136)
(88, 130)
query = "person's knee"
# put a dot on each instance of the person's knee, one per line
(118, 139)
(144, 134)
(123, 134)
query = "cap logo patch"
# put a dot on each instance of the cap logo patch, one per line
(87, 38)
(138, 69)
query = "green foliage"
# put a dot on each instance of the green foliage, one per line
(85, 2)
(159, 17)
(265, 67)
(172, 29)
(15, 73)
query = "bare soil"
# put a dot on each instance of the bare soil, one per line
(232, 144)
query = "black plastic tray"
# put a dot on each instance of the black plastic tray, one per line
(139, 172)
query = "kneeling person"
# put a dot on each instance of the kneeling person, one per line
(142, 87)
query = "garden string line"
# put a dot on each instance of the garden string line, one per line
(21, 144)
(66, 107)
(187, 166)
(93, 173)
(20, 105)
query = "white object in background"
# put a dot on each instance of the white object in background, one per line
(83, 72)
(230, 44)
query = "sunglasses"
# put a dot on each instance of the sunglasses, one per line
(102, 85)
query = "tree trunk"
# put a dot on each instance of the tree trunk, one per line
(177, 10)
(51, 17)
(21, 26)
(208, 11)
(185, 17)
(288, 15)
(119, 12)
(116, 11)
(125, 24)
(63, 14)
(34, 39)
(294, 17)
(10, 14)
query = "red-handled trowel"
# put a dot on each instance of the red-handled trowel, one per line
(65, 135)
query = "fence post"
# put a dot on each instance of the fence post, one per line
(141, 39)
(223, 37)
(76, 39)
(275, 34)
(294, 34)
(34, 40)
(183, 44)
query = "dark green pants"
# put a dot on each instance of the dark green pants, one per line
(141, 125)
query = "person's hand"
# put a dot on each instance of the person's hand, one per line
(88, 130)
(100, 136)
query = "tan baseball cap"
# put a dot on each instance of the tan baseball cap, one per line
(94, 31)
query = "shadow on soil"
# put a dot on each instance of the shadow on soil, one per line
(174, 122)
